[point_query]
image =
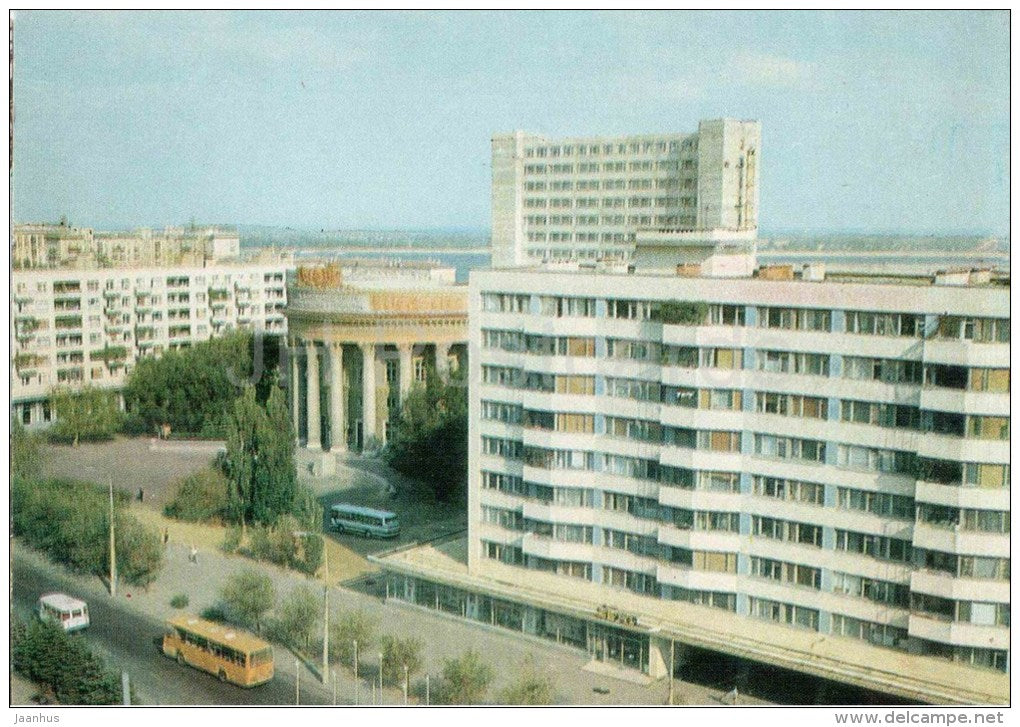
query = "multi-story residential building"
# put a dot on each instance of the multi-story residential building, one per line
(586, 197)
(61, 246)
(799, 470)
(76, 327)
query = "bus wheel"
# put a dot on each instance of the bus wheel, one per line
(180, 659)
(223, 675)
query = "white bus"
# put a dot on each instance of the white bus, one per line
(364, 521)
(70, 614)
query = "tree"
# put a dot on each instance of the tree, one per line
(465, 679)
(191, 389)
(69, 521)
(298, 615)
(530, 687)
(429, 441)
(89, 413)
(247, 596)
(349, 627)
(43, 653)
(398, 653)
(201, 496)
(259, 460)
(25, 461)
(139, 551)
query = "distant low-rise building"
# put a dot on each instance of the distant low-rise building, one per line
(44, 246)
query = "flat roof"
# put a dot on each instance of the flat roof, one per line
(61, 601)
(223, 633)
(839, 658)
(359, 510)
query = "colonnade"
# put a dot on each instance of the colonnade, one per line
(325, 366)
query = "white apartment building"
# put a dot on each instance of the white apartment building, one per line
(587, 197)
(88, 327)
(809, 472)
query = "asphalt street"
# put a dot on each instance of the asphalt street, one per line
(126, 638)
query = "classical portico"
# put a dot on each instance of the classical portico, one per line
(358, 349)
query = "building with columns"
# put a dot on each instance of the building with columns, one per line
(361, 337)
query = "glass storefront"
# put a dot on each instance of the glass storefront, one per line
(604, 642)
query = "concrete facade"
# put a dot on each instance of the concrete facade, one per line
(826, 455)
(77, 327)
(585, 198)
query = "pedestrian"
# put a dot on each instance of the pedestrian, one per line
(193, 557)
(166, 535)
(141, 494)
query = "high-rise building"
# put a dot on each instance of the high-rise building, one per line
(586, 197)
(799, 470)
(76, 327)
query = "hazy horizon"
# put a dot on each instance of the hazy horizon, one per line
(873, 122)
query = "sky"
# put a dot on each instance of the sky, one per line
(880, 122)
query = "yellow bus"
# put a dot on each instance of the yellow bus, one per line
(231, 654)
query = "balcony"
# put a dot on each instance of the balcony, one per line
(933, 628)
(954, 540)
(945, 585)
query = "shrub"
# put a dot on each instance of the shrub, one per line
(310, 557)
(215, 613)
(351, 626)
(181, 600)
(683, 312)
(69, 521)
(247, 596)
(200, 497)
(465, 679)
(530, 687)
(231, 539)
(277, 544)
(398, 653)
(297, 617)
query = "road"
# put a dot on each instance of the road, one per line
(126, 639)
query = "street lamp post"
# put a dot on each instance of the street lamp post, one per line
(405, 685)
(380, 677)
(357, 683)
(113, 547)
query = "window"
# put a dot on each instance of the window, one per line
(769, 445)
(561, 307)
(876, 546)
(788, 530)
(726, 315)
(876, 460)
(794, 490)
(794, 573)
(804, 319)
(884, 324)
(791, 405)
(877, 503)
(787, 613)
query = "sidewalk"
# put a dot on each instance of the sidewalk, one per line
(444, 636)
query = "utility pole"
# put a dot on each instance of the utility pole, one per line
(672, 653)
(297, 682)
(113, 546)
(426, 690)
(325, 614)
(380, 676)
(125, 688)
(357, 682)
(405, 685)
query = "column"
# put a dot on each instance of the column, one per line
(295, 387)
(337, 423)
(443, 361)
(367, 392)
(314, 441)
(405, 351)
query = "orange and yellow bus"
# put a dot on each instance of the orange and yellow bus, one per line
(231, 654)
